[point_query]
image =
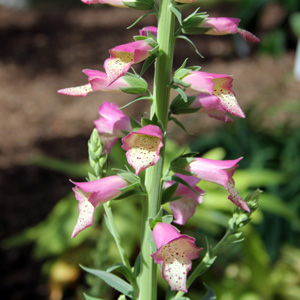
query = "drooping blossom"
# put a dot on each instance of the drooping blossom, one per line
(212, 105)
(224, 26)
(92, 194)
(175, 252)
(185, 207)
(151, 29)
(111, 124)
(123, 56)
(97, 82)
(219, 172)
(218, 85)
(142, 147)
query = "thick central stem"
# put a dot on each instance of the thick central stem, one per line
(160, 107)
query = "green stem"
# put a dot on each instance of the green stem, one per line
(116, 236)
(160, 107)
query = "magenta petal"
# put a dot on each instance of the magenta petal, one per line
(143, 147)
(185, 207)
(219, 172)
(221, 26)
(248, 36)
(86, 217)
(211, 105)
(123, 56)
(199, 82)
(78, 91)
(175, 252)
(111, 124)
(150, 29)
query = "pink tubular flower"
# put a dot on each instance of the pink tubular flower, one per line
(185, 207)
(143, 147)
(93, 193)
(175, 252)
(150, 29)
(123, 56)
(111, 123)
(97, 82)
(218, 85)
(211, 105)
(220, 172)
(223, 26)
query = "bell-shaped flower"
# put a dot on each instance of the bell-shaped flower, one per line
(219, 172)
(111, 124)
(91, 194)
(98, 82)
(218, 85)
(211, 105)
(185, 207)
(224, 26)
(143, 147)
(123, 56)
(175, 252)
(151, 29)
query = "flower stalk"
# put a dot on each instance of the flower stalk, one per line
(160, 107)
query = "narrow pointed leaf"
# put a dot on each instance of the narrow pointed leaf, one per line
(87, 297)
(113, 281)
(210, 295)
(137, 99)
(168, 193)
(176, 11)
(149, 61)
(177, 122)
(183, 37)
(137, 266)
(140, 18)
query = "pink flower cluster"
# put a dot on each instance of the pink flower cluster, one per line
(214, 97)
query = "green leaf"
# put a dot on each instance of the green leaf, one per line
(177, 122)
(112, 280)
(176, 11)
(180, 91)
(183, 37)
(210, 295)
(142, 17)
(137, 99)
(130, 193)
(168, 193)
(137, 84)
(149, 61)
(140, 4)
(137, 266)
(180, 180)
(87, 297)
(121, 268)
(135, 125)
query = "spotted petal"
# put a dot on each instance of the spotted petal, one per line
(176, 252)
(143, 147)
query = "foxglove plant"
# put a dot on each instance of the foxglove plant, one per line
(144, 145)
